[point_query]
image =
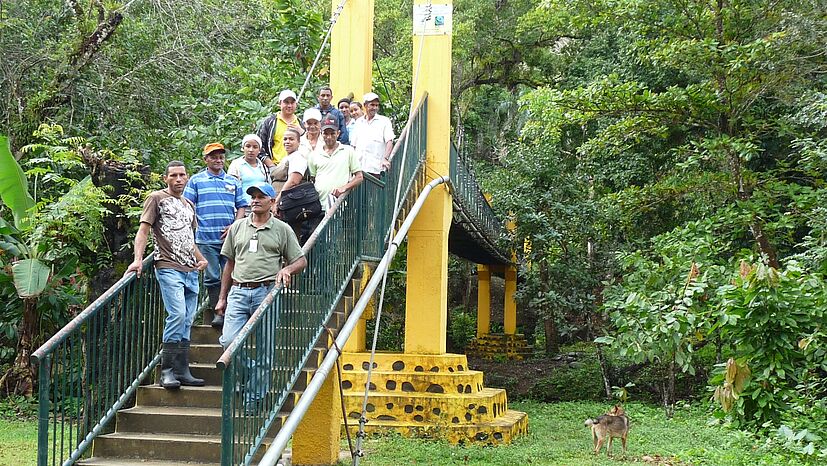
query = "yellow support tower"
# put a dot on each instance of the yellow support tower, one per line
(483, 300)
(424, 390)
(351, 49)
(510, 308)
(426, 308)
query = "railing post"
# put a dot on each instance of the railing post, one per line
(43, 371)
(227, 395)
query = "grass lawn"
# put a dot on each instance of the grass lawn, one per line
(557, 436)
(18, 442)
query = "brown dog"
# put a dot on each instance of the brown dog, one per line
(613, 424)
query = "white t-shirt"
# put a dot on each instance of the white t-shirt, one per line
(370, 139)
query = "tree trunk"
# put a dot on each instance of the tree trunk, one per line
(669, 390)
(552, 336)
(604, 372)
(19, 379)
(115, 178)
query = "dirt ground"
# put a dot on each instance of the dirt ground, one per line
(517, 377)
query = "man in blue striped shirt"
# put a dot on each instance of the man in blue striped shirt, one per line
(219, 201)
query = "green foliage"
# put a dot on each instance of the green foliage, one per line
(582, 382)
(772, 317)
(462, 328)
(17, 407)
(13, 188)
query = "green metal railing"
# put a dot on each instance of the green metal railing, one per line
(265, 360)
(92, 367)
(472, 210)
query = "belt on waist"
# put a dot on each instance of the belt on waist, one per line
(253, 284)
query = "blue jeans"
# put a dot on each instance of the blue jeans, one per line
(215, 264)
(241, 304)
(179, 290)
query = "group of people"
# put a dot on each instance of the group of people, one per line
(235, 225)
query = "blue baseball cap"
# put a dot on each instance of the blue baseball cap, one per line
(265, 189)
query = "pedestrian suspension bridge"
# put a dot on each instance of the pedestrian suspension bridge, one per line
(98, 397)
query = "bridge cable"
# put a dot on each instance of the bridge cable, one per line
(391, 229)
(341, 389)
(333, 18)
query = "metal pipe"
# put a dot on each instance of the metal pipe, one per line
(273, 453)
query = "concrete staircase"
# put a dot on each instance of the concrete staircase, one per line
(495, 345)
(431, 396)
(173, 427)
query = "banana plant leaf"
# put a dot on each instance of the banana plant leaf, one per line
(30, 277)
(14, 190)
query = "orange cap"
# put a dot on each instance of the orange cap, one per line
(212, 147)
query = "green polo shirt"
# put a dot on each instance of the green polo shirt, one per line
(277, 244)
(334, 170)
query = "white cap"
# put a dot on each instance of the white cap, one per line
(287, 93)
(370, 97)
(312, 114)
(251, 137)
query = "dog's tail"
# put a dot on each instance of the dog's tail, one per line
(591, 422)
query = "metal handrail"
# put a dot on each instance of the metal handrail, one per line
(477, 216)
(93, 366)
(289, 427)
(86, 314)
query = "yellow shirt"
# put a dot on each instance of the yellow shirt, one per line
(277, 148)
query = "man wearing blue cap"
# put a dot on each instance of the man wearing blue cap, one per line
(255, 248)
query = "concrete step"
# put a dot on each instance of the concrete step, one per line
(204, 334)
(168, 447)
(396, 362)
(207, 371)
(195, 397)
(205, 353)
(96, 461)
(504, 429)
(469, 381)
(170, 419)
(204, 397)
(484, 406)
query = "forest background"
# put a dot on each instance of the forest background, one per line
(664, 162)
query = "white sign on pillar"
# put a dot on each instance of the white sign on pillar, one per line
(432, 20)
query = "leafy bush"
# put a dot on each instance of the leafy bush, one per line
(582, 382)
(775, 319)
(462, 328)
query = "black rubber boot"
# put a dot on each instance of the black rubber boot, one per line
(182, 366)
(213, 293)
(168, 356)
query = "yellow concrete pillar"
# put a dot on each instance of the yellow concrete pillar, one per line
(510, 308)
(483, 300)
(426, 307)
(316, 440)
(351, 49)
(356, 343)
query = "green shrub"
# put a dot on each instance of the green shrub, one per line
(462, 328)
(582, 382)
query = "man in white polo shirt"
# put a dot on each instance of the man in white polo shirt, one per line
(373, 138)
(335, 165)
